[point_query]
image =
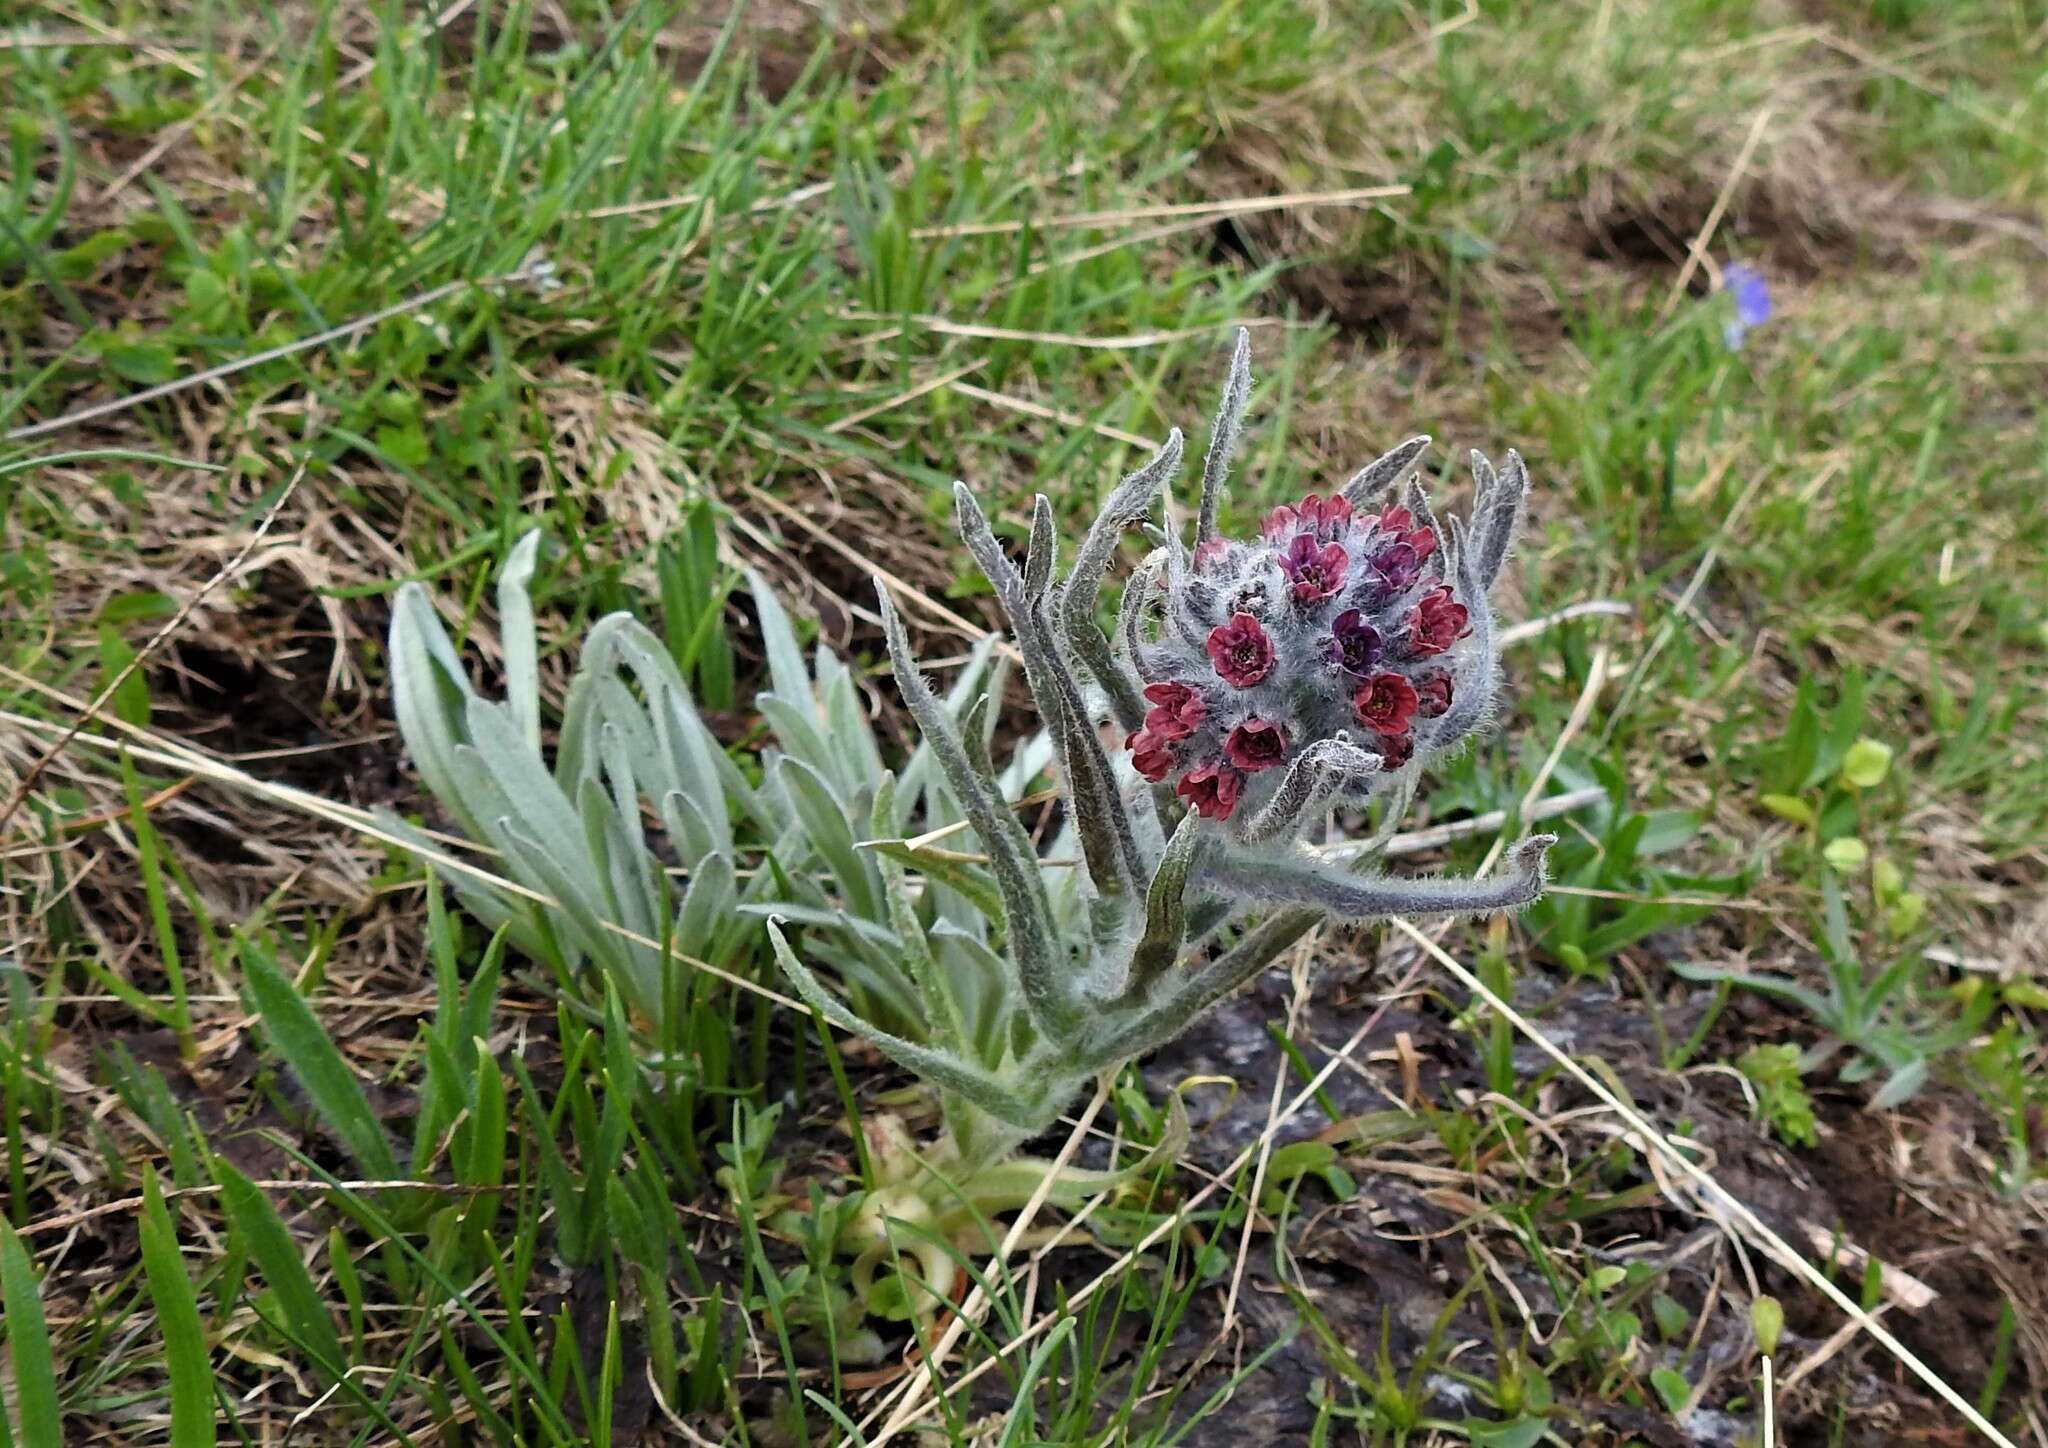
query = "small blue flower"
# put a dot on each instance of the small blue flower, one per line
(1752, 302)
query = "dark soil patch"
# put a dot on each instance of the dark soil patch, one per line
(780, 36)
(1387, 1261)
(1654, 232)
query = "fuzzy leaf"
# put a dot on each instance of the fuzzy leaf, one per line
(938, 1067)
(1310, 883)
(1130, 500)
(1012, 860)
(825, 819)
(1376, 477)
(1223, 433)
(516, 638)
(1166, 921)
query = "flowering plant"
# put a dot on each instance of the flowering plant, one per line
(1255, 684)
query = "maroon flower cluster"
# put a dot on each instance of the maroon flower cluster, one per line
(1327, 622)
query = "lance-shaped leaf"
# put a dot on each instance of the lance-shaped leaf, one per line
(576, 899)
(1319, 773)
(854, 751)
(1416, 500)
(985, 672)
(1237, 392)
(1376, 477)
(683, 757)
(1114, 864)
(1133, 609)
(625, 896)
(941, 1068)
(786, 672)
(1128, 502)
(1040, 959)
(1166, 916)
(1042, 553)
(429, 694)
(1496, 512)
(516, 639)
(1100, 820)
(943, 1016)
(706, 907)
(519, 774)
(986, 993)
(825, 818)
(1475, 686)
(1317, 886)
(942, 867)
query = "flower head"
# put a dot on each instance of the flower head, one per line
(1384, 704)
(1315, 571)
(1211, 791)
(1354, 644)
(1271, 672)
(1256, 744)
(1436, 622)
(1177, 711)
(1241, 651)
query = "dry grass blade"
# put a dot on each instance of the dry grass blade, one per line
(1695, 253)
(1235, 206)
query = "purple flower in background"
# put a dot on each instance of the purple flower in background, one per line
(1752, 302)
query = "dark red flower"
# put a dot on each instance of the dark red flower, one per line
(1281, 521)
(1315, 571)
(1397, 566)
(1323, 518)
(1433, 693)
(1210, 791)
(1242, 653)
(1209, 552)
(1435, 623)
(1177, 710)
(1149, 755)
(1354, 643)
(1401, 523)
(1255, 745)
(1396, 750)
(1385, 704)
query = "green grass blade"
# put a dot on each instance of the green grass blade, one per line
(271, 1245)
(177, 1315)
(38, 1421)
(293, 1032)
